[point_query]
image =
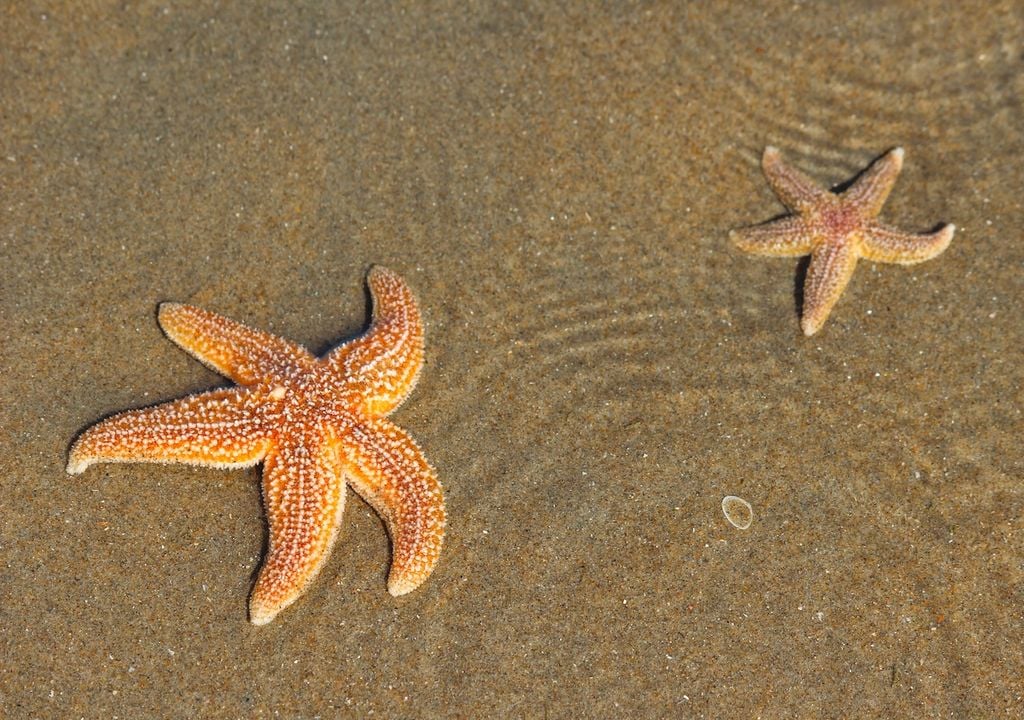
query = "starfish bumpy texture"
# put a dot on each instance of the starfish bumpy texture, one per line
(836, 229)
(316, 424)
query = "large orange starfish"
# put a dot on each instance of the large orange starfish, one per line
(836, 229)
(315, 423)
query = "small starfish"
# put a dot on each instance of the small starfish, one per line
(836, 229)
(316, 424)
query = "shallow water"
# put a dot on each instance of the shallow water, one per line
(602, 367)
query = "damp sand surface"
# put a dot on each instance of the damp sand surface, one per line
(557, 183)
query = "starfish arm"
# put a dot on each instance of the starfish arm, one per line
(870, 191)
(881, 243)
(222, 428)
(785, 237)
(796, 191)
(382, 365)
(304, 494)
(245, 355)
(831, 266)
(388, 470)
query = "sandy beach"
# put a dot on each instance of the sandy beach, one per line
(557, 184)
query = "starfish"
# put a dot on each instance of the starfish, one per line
(836, 229)
(316, 424)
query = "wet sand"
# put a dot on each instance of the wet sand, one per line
(602, 367)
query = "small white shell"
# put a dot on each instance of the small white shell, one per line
(737, 511)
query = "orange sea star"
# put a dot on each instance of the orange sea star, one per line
(316, 424)
(836, 229)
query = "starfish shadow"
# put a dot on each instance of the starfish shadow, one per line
(265, 543)
(845, 185)
(798, 285)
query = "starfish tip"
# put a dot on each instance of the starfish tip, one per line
(166, 311)
(893, 158)
(76, 466)
(809, 327)
(378, 271)
(404, 586)
(896, 154)
(262, 614)
(946, 237)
